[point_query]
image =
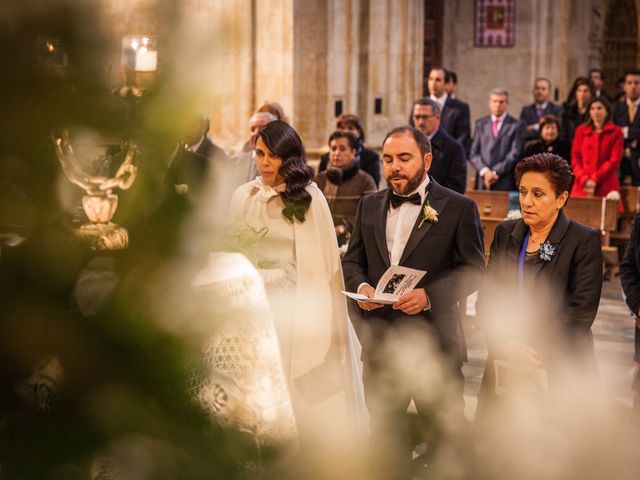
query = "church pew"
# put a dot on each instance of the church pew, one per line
(493, 208)
(600, 214)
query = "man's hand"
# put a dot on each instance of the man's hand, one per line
(490, 178)
(368, 291)
(413, 302)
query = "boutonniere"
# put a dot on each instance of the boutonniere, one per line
(547, 251)
(429, 214)
(182, 189)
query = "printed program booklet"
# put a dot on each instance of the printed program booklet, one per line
(394, 283)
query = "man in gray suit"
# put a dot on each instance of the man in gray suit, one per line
(497, 145)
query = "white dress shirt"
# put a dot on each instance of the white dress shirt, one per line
(400, 222)
(440, 101)
(196, 146)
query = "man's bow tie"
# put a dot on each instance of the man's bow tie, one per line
(397, 200)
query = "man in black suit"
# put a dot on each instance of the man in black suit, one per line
(626, 115)
(596, 76)
(195, 159)
(414, 223)
(531, 114)
(449, 166)
(497, 145)
(454, 116)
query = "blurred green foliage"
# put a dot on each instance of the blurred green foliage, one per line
(125, 380)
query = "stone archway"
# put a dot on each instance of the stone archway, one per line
(619, 41)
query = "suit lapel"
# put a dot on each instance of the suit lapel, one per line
(380, 228)
(438, 203)
(516, 239)
(555, 236)
(488, 128)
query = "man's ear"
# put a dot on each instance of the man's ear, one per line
(428, 157)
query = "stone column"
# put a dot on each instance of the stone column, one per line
(395, 63)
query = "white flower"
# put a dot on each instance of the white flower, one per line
(429, 214)
(182, 189)
(514, 214)
(613, 195)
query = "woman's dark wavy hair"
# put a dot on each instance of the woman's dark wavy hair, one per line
(282, 140)
(607, 106)
(556, 169)
(571, 98)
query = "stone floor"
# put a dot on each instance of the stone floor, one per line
(613, 333)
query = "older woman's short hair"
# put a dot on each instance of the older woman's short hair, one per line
(556, 169)
(352, 140)
(549, 120)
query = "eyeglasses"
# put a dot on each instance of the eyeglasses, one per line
(423, 117)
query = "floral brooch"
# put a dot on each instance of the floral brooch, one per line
(547, 251)
(429, 214)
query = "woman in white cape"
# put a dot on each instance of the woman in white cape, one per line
(284, 226)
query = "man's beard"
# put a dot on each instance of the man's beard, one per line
(412, 183)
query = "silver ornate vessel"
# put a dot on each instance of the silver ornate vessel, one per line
(99, 202)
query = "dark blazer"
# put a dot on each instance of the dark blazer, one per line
(448, 167)
(558, 147)
(451, 251)
(630, 277)
(192, 168)
(631, 153)
(566, 289)
(456, 121)
(571, 119)
(500, 154)
(574, 271)
(529, 116)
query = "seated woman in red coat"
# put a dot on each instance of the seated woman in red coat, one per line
(596, 152)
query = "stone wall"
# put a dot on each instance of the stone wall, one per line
(552, 40)
(234, 54)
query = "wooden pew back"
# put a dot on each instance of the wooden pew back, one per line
(490, 203)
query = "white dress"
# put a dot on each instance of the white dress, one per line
(301, 268)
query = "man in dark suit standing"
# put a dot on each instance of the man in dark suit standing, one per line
(454, 116)
(541, 106)
(596, 76)
(449, 166)
(195, 159)
(497, 145)
(625, 115)
(419, 224)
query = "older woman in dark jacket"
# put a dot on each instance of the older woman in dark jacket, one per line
(369, 160)
(549, 140)
(550, 269)
(343, 183)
